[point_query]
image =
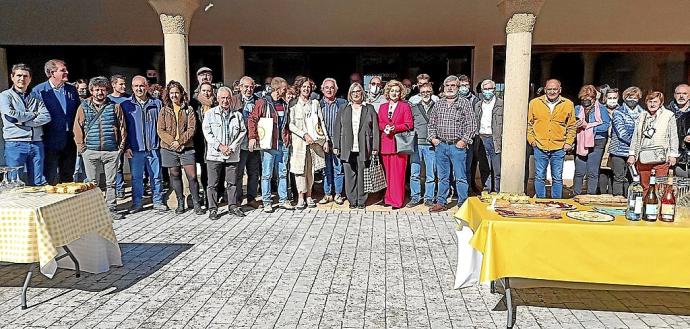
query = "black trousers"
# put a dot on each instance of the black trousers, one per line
(251, 161)
(215, 170)
(354, 180)
(58, 166)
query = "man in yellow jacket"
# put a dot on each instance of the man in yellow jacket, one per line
(551, 127)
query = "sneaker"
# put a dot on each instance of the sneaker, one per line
(429, 203)
(180, 208)
(286, 205)
(268, 208)
(160, 207)
(213, 215)
(326, 199)
(301, 205)
(311, 203)
(339, 199)
(438, 208)
(198, 210)
(413, 203)
(353, 206)
(135, 209)
(236, 211)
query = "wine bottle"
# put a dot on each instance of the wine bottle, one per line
(668, 201)
(651, 201)
(635, 197)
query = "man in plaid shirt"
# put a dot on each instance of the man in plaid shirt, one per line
(452, 126)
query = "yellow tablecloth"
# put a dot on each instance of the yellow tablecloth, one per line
(618, 252)
(34, 225)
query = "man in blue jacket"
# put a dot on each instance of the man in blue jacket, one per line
(23, 117)
(61, 100)
(142, 143)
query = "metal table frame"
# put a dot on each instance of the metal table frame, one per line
(33, 266)
(511, 308)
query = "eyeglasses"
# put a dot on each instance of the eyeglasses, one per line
(356, 91)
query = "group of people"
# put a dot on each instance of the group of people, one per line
(609, 132)
(57, 129)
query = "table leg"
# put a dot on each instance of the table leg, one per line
(512, 309)
(74, 260)
(32, 267)
(493, 286)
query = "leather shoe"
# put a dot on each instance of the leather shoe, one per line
(236, 211)
(213, 215)
(438, 208)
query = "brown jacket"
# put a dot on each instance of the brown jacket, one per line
(168, 127)
(118, 130)
(258, 112)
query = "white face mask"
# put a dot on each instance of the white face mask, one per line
(374, 90)
(612, 102)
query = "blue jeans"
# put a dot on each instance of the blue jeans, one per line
(589, 165)
(119, 177)
(447, 156)
(30, 156)
(151, 162)
(423, 154)
(333, 175)
(274, 160)
(541, 160)
(494, 160)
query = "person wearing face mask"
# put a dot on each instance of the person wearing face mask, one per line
(465, 91)
(82, 89)
(551, 129)
(249, 160)
(375, 95)
(452, 127)
(680, 104)
(611, 104)
(424, 152)
(100, 136)
(623, 123)
(656, 132)
(489, 115)
(395, 116)
(592, 133)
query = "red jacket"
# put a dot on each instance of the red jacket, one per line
(402, 121)
(259, 112)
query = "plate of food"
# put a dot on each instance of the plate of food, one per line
(501, 196)
(556, 204)
(528, 211)
(601, 200)
(590, 216)
(32, 189)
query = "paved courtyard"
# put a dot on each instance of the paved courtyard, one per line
(318, 268)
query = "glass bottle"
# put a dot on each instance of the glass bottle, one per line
(635, 197)
(668, 201)
(651, 201)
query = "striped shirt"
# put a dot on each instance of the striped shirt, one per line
(452, 121)
(330, 112)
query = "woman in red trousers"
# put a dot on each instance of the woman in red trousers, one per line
(395, 116)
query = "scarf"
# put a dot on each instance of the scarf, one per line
(585, 135)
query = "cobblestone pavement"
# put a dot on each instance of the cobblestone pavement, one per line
(308, 269)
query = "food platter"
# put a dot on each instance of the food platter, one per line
(528, 211)
(601, 200)
(556, 204)
(590, 216)
(70, 188)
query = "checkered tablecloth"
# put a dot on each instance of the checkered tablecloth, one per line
(34, 225)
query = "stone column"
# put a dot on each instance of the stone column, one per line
(522, 16)
(4, 70)
(176, 17)
(589, 60)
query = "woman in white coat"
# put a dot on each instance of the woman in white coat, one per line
(308, 140)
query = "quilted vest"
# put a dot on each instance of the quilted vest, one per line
(101, 134)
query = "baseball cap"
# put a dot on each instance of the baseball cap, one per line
(203, 70)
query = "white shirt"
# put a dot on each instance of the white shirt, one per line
(487, 115)
(391, 108)
(551, 105)
(356, 116)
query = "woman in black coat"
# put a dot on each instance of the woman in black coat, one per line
(355, 140)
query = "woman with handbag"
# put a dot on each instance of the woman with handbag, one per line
(356, 142)
(397, 141)
(655, 139)
(309, 140)
(176, 128)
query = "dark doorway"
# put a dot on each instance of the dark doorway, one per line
(89, 61)
(339, 62)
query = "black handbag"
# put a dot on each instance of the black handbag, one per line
(404, 142)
